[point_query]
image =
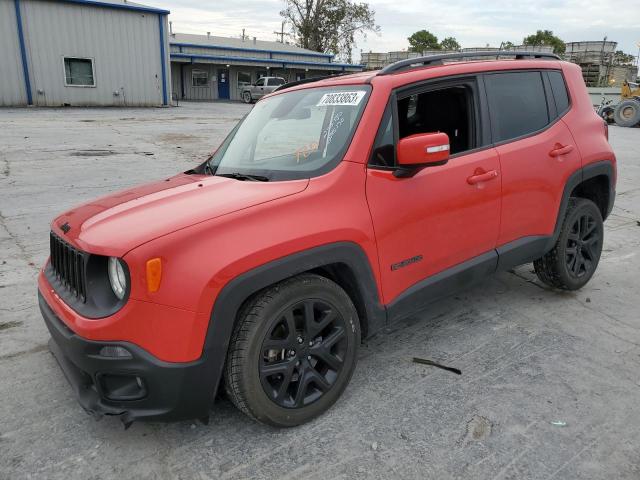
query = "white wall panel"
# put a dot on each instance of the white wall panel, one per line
(12, 85)
(124, 45)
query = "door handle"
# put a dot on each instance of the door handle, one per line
(482, 177)
(560, 149)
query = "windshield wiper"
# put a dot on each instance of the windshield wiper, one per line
(244, 176)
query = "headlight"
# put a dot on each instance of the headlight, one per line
(117, 277)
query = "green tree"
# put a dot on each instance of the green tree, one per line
(329, 26)
(507, 45)
(621, 58)
(423, 40)
(545, 37)
(450, 43)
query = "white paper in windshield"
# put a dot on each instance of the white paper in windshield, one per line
(341, 98)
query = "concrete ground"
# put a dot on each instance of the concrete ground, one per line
(550, 384)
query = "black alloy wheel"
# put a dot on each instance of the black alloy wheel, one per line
(293, 350)
(303, 353)
(573, 260)
(583, 246)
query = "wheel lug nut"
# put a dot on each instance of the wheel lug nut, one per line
(300, 340)
(292, 353)
(308, 357)
(311, 344)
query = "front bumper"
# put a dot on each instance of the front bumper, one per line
(165, 391)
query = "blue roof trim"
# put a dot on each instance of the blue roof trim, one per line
(225, 58)
(118, 6)
(254, 50)
(163, 59)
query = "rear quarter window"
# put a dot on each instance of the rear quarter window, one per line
(517, 103)
(559, 89)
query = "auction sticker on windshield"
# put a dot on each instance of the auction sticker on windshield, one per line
(341, 98)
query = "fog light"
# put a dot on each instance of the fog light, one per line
(122, 387)
(114, 351)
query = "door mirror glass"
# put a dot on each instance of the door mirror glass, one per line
(423, 150)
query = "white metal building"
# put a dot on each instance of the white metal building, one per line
(207, 67)
(83, 52)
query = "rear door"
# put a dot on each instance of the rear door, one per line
(443, 215)
(273, 83)
(536, 149)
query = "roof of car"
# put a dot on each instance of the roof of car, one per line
(420, 72)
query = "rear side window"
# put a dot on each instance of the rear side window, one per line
(275, 81)
(559, 89)
(517, 103)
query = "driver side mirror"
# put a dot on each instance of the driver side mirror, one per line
(423, 150)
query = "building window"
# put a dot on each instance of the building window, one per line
(78, 72)
(199, 78)
(244, 79)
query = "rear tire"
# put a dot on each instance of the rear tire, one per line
(293, 351)
(627, 113)
(575, 256)
(246, 97)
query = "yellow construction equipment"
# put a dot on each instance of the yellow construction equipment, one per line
(630, 90)
(627, 112)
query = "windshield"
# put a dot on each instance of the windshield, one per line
(293, 135)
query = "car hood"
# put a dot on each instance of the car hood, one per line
(119, 222)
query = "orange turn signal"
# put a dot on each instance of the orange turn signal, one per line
(154, 274)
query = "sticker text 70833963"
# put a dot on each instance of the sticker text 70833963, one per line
(341, 98)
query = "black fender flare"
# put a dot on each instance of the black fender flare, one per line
(592, 170)
(235, 293)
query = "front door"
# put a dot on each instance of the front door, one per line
(257, 90)
(223, 84)
(443, 215)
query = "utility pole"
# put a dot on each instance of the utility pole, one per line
(281, 33)
(243, 35)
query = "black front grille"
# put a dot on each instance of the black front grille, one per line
(69, 264)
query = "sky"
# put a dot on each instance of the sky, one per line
(472, 23)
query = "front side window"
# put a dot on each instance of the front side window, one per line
(297, 134)
(199, 78)
(79, 72)
(260, 82)
(446, 109)
(384, 150)
(517, 102)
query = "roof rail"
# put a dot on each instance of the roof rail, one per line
(439, 59)
(309, 80)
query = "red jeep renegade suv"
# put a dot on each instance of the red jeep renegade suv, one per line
(333, 208)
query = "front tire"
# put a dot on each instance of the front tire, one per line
(293, 351)
(575, 256)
